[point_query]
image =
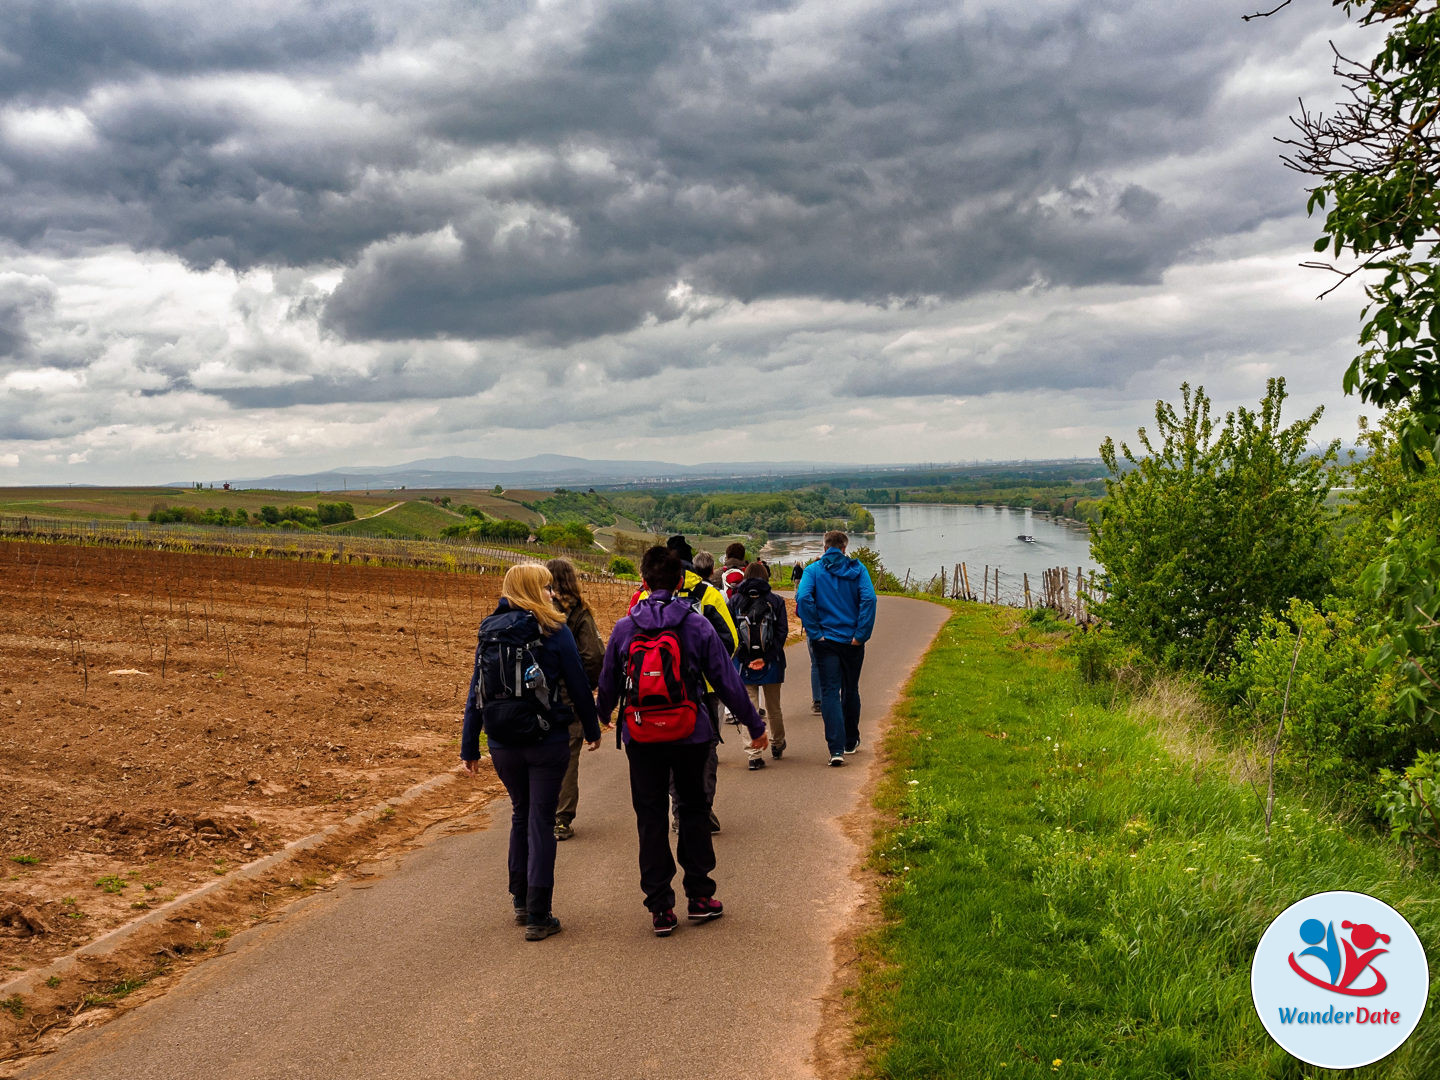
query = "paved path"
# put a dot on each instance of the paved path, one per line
(423, 974)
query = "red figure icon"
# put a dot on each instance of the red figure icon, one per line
(1363, 935)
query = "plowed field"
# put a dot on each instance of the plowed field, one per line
(166, 717)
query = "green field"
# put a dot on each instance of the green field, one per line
(416, 518)
(1076, 889)
(119, 504)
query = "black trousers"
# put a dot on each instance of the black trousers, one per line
(532, 776)
(652, 768)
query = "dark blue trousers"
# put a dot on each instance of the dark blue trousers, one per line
(532, 775)
(839, 667)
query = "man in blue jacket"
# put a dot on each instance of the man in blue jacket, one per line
(836, 603)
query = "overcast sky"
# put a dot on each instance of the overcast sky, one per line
(268, 237)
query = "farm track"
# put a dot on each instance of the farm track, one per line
(166, 717)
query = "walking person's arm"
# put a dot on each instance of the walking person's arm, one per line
(865, 617)
(805, 604)
(592, 650)
(470, 729)
(716, 666)
(572, 671)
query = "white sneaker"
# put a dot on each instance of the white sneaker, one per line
(837, 759)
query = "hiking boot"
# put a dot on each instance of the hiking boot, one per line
(853, 746)
(776, 750)
(521, 915)
(663, 922)
(757, 763)
(540, 931)
(563, 830)
(702, 908)
(837, 760)
(815, 707)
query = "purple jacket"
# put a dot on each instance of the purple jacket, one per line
(701, 645)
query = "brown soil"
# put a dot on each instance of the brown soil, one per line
(165, 718)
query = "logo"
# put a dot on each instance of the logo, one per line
(1362, 936)
(1307, 975)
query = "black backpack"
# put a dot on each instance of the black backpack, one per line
(514, 698)
(755, 623)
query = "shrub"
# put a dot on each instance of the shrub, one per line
(882, 579)
(1205, 532)
(1340, 724)
(1410, 803)
(622, 566)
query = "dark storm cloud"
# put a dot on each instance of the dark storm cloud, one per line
(54, 50)
(917, 151)
(20, 299)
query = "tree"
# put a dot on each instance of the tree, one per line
(1378, 160)
(1204, 533)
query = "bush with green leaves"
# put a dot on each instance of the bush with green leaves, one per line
(1340, 720)
(622, 566)
(1210, 527)
(572, 534)
(882, 579)
(1409, 802)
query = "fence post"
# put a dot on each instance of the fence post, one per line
(1027, 590)
(985, 586)
(965, 575)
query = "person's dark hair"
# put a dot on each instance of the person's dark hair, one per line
(836, 539)
(680, 547)
(661, 569)
(566, 584)
(757, 569)
(735, 551)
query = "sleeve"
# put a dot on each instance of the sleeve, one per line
(470, 728)
(782, 629)
(572, 671)
(587, 640)
(612, 676)
(865, 622)
(805, 602)
(725, 624)
(721, 673)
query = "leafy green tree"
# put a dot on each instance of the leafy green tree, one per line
(1207, 530)
(1377, 157)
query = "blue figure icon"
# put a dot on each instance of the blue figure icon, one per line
(1312, 932)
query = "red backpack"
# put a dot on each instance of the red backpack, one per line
(730, 580)
(661, 690)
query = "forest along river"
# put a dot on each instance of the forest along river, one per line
(923, 537)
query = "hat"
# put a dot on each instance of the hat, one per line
(681, 547)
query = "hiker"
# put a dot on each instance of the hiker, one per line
(526, 726)
(733, 572)
(565, 584)
(762, 627)
(836, 604)
(704, 566)
(795, 571)
(705, 599)
(654, 665)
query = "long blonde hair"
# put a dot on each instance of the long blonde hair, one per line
(524, 587)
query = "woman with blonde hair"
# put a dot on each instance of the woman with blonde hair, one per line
(525, 654)
(565, 584)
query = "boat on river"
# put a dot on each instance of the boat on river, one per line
(1026, 537)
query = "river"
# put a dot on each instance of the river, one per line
(923, 537)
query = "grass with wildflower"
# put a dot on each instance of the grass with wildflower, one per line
(1066, 895)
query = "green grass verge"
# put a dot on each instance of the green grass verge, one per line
(1065, 896)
